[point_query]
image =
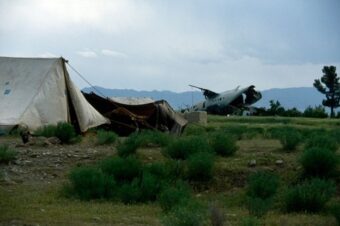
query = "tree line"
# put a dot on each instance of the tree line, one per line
(328, 85)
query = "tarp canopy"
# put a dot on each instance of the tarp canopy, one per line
(126, 118)
(38, 91)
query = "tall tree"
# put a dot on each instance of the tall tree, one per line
(329, 85)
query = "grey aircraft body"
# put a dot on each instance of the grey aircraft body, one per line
(226, 102)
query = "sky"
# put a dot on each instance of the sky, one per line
(169, 44)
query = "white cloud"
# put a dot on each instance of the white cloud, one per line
(87, 53)
(112, 53)
(47, 55)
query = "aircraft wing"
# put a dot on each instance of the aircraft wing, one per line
(206, 92)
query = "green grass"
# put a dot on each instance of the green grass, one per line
(7, 154)
(40, 202)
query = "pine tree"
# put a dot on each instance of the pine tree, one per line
(329, 85)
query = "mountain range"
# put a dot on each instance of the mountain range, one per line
(300, 97)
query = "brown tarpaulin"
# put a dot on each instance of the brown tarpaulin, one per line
(126, 119)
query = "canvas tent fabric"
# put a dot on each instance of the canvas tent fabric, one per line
(38, 91)
(127, 118)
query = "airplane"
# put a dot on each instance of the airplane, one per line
(227, 102)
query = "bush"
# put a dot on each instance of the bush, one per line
(63, 130)
(130, 192)
(6, 154)
(186, 146)
(152, 137)
(289, 138)
(194, 130)
(173, 196)
(257, 206)
(106, 137)
(250, 221)
(200, 166)
(150, 187)
(335, 211)
(129, 146)
(90, 183)
(310, 196)
(188, 214)
(319, 162)
(321, 140)
(262, 185)
(122, 169)
(223, 144)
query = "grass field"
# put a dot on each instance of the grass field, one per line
(31, 186)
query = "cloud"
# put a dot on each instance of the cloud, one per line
(87, 54)
(47, 55)
(112, 53)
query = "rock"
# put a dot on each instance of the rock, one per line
(33, 155)
(97, 218)
(279, 162)
(252, 163)
(54, 140)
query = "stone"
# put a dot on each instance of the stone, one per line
(279, 162)
(54, 140)
(252, 163)
(200, 117)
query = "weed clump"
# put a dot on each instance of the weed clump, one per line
(262, 185)
(122, 169)
(290, 138)
(173, 196)
(7, 154)
(200, 166)
(63, 130)
(250, 221)
(129, 146)
(189, 214)
(153, 138)
(321, 140)
(223, 144)
(106, 137)
(90, 183)
(186, 146)
(310, 196)
(194, 130)
(319, 162)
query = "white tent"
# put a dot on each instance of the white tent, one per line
(38, 91)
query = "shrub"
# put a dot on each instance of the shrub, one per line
(130, 192)
(106, 137)
(319, 162)
(200, 166)
(63, 130)
(129, 146)
(322, 140)
(6, 154)
(46, 131)
(258, 206)
(290, 138)
(335, 211)
(250, 221)
(122, 169)
(173, 196)
(310, 196)
(194, 130)
(188, 214)
(90, 183)
(186, 146)
(262, 185)
(223, 144)
(150, 187)
(160, 170)
(153, 137)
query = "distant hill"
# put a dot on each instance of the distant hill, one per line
(288, 97)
